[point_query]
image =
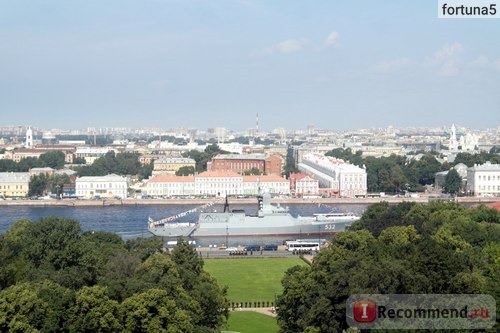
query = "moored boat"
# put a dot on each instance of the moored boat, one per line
(270, 220)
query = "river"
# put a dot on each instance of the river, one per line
(131, 221)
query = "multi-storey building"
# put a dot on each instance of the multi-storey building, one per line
(171, 165)
(108, 186)
(303, 184)
(170, 185)
(14, 184)
(41, 171)
(484, 180)
(90, 154)
(440, 177)
(18, 154)
(335, 175)
(216, 183)
(254, 185)
(268, 164)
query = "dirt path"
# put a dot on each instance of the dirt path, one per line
(266, 311)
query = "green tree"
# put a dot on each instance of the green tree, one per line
(347, 155)
(190, 265)
(417, 249)
(185, 171)
(8, 166)
(146, 170)
(38, 185)
(53, 159)
(452, 182)
(27, 163)
(202, 158)
(253, 171)
(93, 311)
(79, 160)
(56, 183)
(21, 310)
(154, 311)
(290, 165)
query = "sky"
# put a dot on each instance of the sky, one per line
(338, 65)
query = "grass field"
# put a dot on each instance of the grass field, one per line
(251, 279)
(250, 322)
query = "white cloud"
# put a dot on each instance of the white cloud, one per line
(448, 51)
(480, 61)
(447, 59)
(290, 45)
(332, 39)
(485, 63)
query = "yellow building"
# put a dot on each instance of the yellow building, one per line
(171, 165)
(14, 184)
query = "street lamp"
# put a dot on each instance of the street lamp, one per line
(319, 235)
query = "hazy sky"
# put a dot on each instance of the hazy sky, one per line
(170, 63)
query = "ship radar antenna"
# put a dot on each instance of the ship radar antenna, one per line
(226, 205)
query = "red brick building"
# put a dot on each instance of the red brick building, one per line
(268, 164)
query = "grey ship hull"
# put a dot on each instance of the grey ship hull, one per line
(234, 224)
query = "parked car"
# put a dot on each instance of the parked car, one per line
(253, 247)
(270, 247)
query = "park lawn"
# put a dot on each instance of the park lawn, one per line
(251, 279)
(250, 322)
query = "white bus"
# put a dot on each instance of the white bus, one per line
(302, 246)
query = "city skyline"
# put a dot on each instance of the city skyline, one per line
(204, 64)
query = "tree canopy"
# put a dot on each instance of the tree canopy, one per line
(55, 277)
(452, 182)
(392, 174)
(436, 248)
(120, 164)
(202, 158)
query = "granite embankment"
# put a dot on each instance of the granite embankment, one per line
(199, 201)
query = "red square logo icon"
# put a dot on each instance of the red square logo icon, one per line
(364, 311)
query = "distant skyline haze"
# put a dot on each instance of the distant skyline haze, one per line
(190, 63)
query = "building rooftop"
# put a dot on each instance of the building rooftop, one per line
(8, 177)
(171, 179)
(264, 178)
(222, 173)
(175, 160)
(111, 177)
(486, 167)
(241, 157)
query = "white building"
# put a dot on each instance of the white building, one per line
(170, 185)
(343, 179)
(90, 154)
(307, 186)
(14, 184)
(216, 183)
(109, 186)
(254, 185)
(484, 180)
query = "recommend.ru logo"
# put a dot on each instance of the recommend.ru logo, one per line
(421, 311)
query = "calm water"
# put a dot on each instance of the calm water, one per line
(131, 221)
